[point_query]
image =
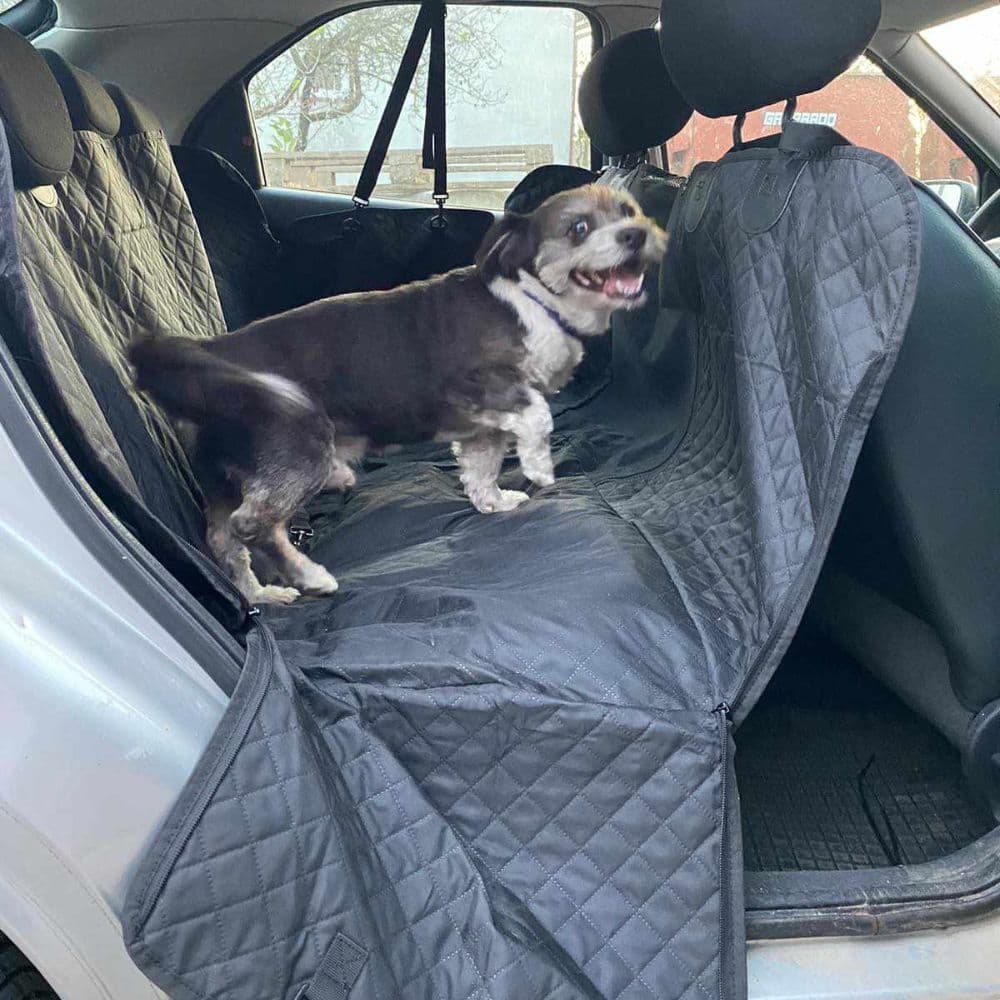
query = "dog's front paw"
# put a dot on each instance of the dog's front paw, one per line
(274, 595)
(341, 476)
(541, 477)
(538, 469)
(317, 582)
(501, 500)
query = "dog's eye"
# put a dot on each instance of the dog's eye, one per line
(627, 210)
(580, 228)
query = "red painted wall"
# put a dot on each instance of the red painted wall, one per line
(871, 111)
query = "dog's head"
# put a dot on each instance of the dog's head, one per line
(590, 247)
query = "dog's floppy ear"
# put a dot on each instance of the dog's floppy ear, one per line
(508, 247)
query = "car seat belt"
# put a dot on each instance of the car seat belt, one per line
(429, 22)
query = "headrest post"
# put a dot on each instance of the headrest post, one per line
(738, 130)
(788, 115)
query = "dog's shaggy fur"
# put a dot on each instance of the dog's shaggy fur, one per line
(468, 357)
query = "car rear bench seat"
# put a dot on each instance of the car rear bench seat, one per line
(500, 754)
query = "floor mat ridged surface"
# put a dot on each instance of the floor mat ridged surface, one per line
(836, 774)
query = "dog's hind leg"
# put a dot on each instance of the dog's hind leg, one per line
(479, 462)
(294, 566)
(258, 523)
(233, 556)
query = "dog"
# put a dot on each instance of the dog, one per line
(278, 411)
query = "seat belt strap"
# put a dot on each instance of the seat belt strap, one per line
(435, 153)
(429, 22)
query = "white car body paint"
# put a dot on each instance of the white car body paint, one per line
(102, 717)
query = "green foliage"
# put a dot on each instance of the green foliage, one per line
(335, 70)
(283, 135)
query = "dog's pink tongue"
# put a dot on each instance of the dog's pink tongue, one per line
(628, 285)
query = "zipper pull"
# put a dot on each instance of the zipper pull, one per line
(725, 710)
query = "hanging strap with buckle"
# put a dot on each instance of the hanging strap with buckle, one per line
(429, 23)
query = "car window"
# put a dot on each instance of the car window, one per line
(512, 75)
(864, 105)
(972, 45)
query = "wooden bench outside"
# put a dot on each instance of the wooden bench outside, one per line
(337, 171)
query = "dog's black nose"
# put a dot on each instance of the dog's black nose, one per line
(633, 237)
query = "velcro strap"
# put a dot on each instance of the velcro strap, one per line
(337, 973)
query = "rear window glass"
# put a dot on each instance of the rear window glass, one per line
(864, 105)
(512, 75)
(972, 45)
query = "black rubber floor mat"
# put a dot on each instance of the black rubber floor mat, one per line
(836, 773)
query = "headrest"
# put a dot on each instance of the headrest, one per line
(90, 106)
(628, 103)
(544, 181)
(135, 116)
(34, 114)
(732, 56)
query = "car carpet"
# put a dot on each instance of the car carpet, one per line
(836, 773)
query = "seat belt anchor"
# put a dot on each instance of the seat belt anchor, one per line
(439, 221)
(299, 534)
(353, 224)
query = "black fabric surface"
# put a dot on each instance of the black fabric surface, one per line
(34, 114)
(376, 248)
(835, 773)
(497, 761)
(628, 103)
(663, 573)
(244, 255)
(731, 56)
(543, 182)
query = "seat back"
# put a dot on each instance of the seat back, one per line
(922, 520)
(243, 253)
(100, 246)
(111, 251)
(796, 261)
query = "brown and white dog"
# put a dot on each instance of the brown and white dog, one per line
(467, 357)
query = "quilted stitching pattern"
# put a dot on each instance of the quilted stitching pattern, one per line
(521, 829)
(120, 255)
(492, 763)
(795, 321)
(505, 783)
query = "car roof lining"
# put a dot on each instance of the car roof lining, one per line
(899, 15)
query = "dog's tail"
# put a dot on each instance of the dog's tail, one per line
(193, 384)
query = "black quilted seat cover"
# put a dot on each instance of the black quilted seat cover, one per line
(119, 255)
(244, 255)
(497, 764)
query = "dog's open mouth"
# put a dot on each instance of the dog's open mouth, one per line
(623, 282)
